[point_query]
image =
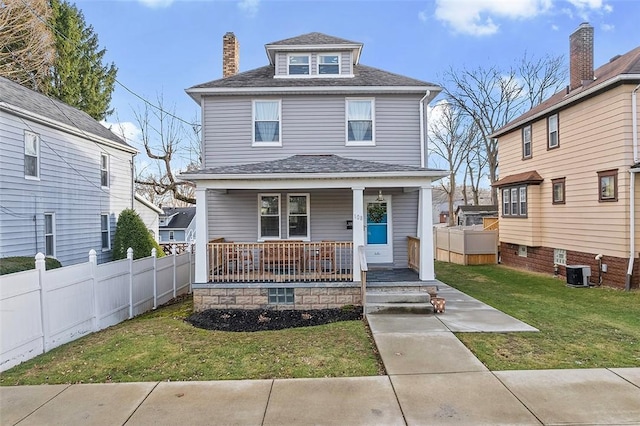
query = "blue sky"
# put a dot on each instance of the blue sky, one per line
(165, 46)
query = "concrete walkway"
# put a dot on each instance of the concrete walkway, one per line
(432, 378)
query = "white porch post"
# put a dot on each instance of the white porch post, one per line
(358, 229)
(425, 233)
(202, 235)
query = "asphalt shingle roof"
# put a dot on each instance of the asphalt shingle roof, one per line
(182, 219)
(310, 164)
(19, 96)
(311, 39)
(531, 177)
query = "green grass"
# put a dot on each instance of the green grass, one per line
(579, 327)
(161, 346)
(9, 265)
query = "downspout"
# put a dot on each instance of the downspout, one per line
(133, 183)
(423, 150)
(632, 187)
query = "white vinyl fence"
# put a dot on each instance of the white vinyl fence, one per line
(40, 309)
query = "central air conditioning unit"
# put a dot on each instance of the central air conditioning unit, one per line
(578, 275)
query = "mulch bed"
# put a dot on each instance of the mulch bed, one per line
(265, 319)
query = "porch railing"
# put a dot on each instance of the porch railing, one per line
(280, 261)
(413, 248)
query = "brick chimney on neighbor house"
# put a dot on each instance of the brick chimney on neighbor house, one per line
(581, 56)
(230, 55)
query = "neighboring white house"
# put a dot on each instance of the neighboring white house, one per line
(64, 178)
(177, 225)
(149, 213)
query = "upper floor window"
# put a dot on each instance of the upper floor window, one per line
(514, 201)
(49, 234)
(608, 181)
(266, 122)
(299, 64)
(31, 155)
(328, 64)
(269, 210)
(558, 191)
(552, 126)
(360, 123)
(526, 142)
(104, 170)
(298, 216)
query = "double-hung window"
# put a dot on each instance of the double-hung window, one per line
(298, 216)
(299, 64)
(558, 191)
(514, 201)
(105, 233)
(31, 155)
(266, 122)
(526, 142)
(49, 234)
(269, 207)
(523, 200)
(104, 170)
(552, 126)
(360, 124)
(329, 64)
(506, 211)
(608, 183)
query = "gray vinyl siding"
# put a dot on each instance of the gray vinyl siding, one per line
(281, 63)
(405, 223)
(69, 187)
(178, 236)
(346, 63)
(311, 125)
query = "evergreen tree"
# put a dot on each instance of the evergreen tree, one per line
(131, 232)
(79, 77)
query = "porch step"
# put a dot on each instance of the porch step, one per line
(399, 308)
(397, 297)
(404, 302)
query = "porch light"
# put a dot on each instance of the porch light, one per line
(380, 198)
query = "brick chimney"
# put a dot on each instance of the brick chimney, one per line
(581, 56)
(230, 55)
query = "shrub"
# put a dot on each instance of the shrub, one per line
(9, 265)
(131, 232)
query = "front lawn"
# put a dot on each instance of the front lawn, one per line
(579, 327)
(160, 346)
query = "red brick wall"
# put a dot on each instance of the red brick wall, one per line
(540, 259)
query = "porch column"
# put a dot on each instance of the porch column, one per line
(358, 229)
(425, 233)
(202, 236)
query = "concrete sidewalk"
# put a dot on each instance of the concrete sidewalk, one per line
(431, 378)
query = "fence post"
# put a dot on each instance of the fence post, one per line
(93, 260)
(154, 254)
(130, 258)
(44, 311)
(173, 253)
(190, 250)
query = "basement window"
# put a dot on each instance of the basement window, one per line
(281, 296)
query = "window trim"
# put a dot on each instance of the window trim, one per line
(108, 231)
(290, 55)
(269, 194)
(24, 147)
(320, 55)
(558, 181)
(372, 142)
(608, 173)
(522, 207)
(308, 215)
(52, 234)
(557, 131)
(253, 123)
(106, 170)
(525, 143)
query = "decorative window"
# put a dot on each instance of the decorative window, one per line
(328, 64)
(608, 182)
(281, 296)
(298, 216)
(514, 201)
(360, 128)
(526, 142)
(105, 231)
(522, 251)
(104, 170)
(31, 155)
(523, 200)
(266, 122)
(50, 234)
(559, 256)
(298, 64)
(505, 202)
(269, 216)
(558, 191)
(552, 126)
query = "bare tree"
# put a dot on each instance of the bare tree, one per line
(172, 148)
(451, 133)
(541, 77)
(27, 45)
(476, 168)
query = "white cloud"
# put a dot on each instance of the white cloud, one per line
(554, 27)
(249, 7)
(156, 4)
(422, 16)
(585, 7)
(477, 17)
(608, 27)
(127, 130)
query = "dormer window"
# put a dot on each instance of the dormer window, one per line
(299, 64)
(329, 64)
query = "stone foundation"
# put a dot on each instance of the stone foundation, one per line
(540, 259)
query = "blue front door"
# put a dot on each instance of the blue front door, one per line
(379, 247)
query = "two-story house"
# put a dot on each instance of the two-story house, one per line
(569, 187)
(311, 164)
(64, 178)
(177, 225)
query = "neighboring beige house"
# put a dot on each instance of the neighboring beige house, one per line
(569, 185)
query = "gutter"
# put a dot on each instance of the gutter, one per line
(632, 185)
(423, 148)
